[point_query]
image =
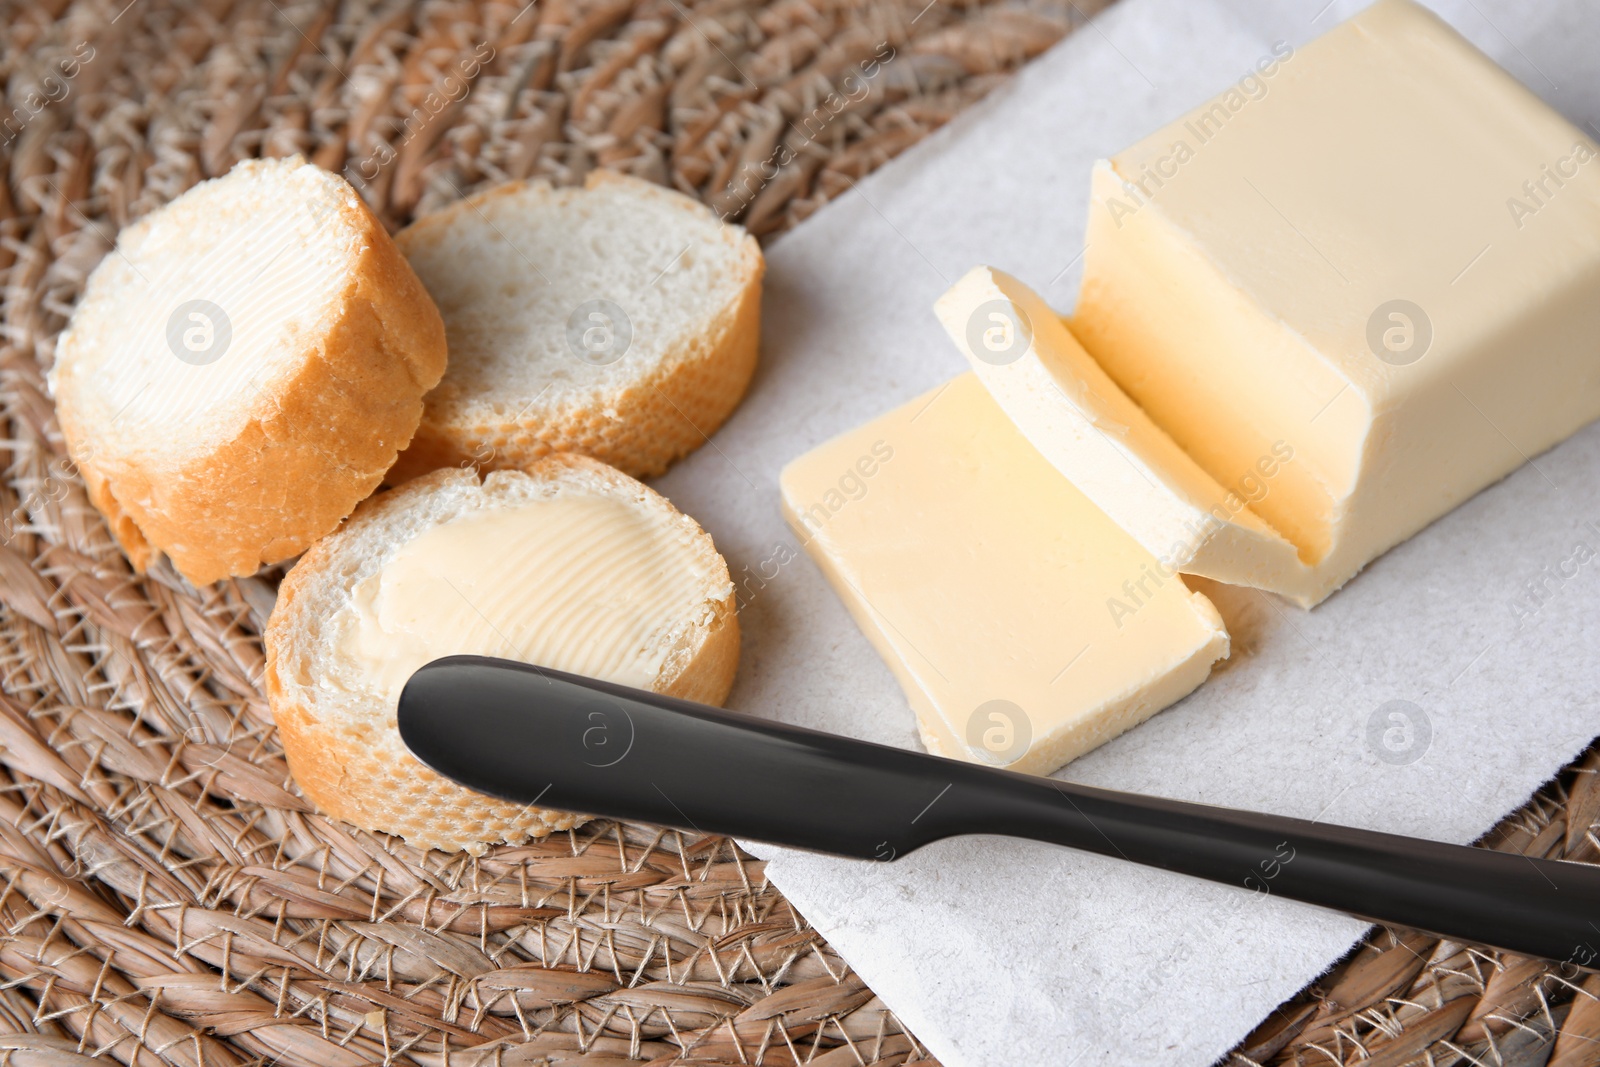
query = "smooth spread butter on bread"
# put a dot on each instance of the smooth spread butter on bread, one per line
(1025, 627)
(570, 565)
(1106, 445)
(1387, 260)
(619, 321)
(243, 368)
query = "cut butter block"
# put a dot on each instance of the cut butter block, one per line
(1107, 446)
(1379, 250)
(1025, 627)
(570, 565)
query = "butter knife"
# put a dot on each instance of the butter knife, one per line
(542, 737)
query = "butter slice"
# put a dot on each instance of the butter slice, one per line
(1086, 426)
(1379, 249)
(578, 581)
(1025, 627)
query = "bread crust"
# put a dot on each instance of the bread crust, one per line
(362, 772)
(307, 455)
(338, 771)
(656, 419)
(708, 676)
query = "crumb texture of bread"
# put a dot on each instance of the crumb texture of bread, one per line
(647, 583)
(619, 321)
(244, 368)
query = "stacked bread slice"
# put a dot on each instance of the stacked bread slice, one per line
(243, 369)
(246, 366)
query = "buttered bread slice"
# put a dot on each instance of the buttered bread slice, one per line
(243, 368)
(619, 321)
(571, 565)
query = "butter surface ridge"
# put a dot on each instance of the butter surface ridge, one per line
(575, 580)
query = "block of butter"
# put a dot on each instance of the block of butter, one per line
(1025, 627)
(1086, 426)
(1379, 251)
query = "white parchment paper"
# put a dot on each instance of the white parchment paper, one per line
(997, 951)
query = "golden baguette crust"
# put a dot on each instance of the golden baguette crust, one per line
(664, 412)
(360, 771)
(309, 452)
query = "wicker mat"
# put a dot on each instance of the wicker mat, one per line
(168, 897)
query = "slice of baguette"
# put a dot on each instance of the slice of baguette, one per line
(334, 674)
(243, 368)
(619, 321)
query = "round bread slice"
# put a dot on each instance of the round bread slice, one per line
(619, 321)
(243, 369)
(571, 565)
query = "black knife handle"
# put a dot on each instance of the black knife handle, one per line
(542, 737)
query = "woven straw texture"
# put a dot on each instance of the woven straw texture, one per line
(168, 898)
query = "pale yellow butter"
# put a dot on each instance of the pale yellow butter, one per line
(583, 583)
(1025, 627)
(1107, 446)
(1380, 251)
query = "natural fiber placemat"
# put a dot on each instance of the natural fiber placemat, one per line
(168, 898)
(1404, 997)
